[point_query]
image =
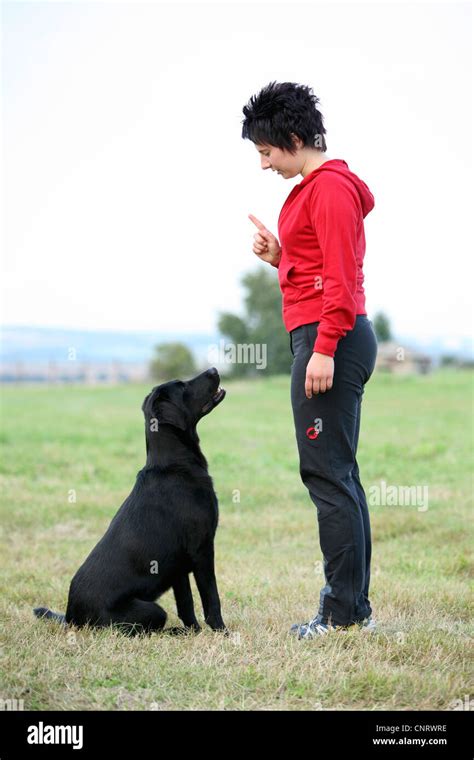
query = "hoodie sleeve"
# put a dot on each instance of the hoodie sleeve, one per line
(335, 215)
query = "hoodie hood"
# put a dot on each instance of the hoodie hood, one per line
(339, 166)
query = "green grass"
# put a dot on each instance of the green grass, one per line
(90, 441)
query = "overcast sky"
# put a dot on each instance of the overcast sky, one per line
(127, 184)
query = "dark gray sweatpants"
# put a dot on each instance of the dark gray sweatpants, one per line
(327, 433)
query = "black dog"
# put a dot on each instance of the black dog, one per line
(163, 531)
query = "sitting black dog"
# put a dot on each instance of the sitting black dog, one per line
(163, 531)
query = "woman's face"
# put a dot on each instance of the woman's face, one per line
(278, 160)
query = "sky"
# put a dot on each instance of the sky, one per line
(126, 184)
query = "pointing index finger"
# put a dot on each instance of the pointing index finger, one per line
(257, 222)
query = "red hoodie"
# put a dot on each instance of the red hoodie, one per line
(322, 240)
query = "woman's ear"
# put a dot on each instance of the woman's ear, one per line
(297, 141)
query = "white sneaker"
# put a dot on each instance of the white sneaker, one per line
(368, 625)
(314, 629)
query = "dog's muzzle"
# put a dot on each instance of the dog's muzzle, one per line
(215, 399)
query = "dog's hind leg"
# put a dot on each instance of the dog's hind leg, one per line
(184, 603)
(138, 616)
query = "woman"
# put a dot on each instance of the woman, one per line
(334, 348)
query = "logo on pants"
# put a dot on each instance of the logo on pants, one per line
(313, 431)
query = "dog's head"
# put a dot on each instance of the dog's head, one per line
(183, 404)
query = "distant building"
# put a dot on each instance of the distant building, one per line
(88, 373)
(402, 360)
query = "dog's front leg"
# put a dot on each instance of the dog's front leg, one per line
(184, 602)
(206, 582)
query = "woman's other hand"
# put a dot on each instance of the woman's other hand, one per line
(319, 374)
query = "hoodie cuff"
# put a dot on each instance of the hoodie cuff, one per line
(325, 345)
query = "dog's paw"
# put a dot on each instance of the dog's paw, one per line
(182, 630)
(222, 629)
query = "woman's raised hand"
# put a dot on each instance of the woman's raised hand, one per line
(265, 246)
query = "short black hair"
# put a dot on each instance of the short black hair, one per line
(282, 108)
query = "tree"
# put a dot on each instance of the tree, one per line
(172, 362)
(382, 327)
(260, 326)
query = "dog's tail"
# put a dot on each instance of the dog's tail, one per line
(44, 613)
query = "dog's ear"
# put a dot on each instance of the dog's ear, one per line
(145, 401)
(157, 405)
(168, 412)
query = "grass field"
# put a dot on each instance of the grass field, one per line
(415, 431)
